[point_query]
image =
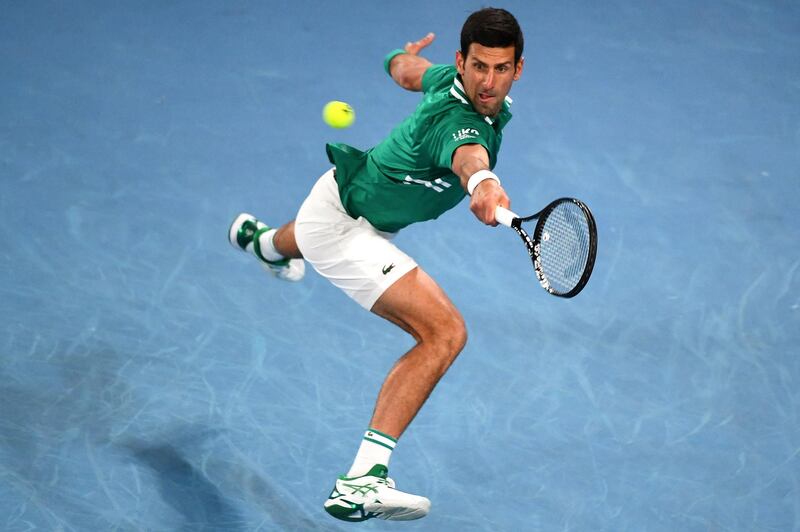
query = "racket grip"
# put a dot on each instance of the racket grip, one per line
(504, 216)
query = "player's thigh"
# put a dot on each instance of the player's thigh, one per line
(353, 255)
(418, 304)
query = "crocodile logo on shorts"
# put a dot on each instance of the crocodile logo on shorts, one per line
(387, 269)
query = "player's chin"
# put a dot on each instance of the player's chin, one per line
(490, 111)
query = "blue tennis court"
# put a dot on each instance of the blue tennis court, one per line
(154, 378)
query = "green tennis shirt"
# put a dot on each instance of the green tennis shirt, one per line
(407, 178)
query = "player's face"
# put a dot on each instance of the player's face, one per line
(488, 74)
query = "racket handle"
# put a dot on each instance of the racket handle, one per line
(504, 216)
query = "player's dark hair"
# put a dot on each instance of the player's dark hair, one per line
(492, 27)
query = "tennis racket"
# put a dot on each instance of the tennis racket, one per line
(563, 246)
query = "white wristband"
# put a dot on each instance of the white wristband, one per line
(477, 177)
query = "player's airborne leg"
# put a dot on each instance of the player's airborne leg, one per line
(253, 236)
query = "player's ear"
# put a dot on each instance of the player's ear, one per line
(459, 62)
(518, 68)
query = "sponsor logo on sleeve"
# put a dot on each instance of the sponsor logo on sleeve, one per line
(465, 133)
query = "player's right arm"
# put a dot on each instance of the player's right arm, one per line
(468, 160)
(408, 68)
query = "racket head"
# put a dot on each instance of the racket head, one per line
(564, 246)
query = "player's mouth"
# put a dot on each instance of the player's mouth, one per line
(485, 97)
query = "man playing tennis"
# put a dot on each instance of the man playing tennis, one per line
(426, 166)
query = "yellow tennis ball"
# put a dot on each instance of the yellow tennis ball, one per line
(338, 114)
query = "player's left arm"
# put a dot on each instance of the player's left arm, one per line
(407, 67)
(471, 161)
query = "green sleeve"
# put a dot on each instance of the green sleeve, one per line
(449, 136)
(438, 77)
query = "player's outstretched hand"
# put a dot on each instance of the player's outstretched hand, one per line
(485, 199)
(414, 48)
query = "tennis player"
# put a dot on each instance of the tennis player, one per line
(445, 150)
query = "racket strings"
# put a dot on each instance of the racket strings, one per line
(564, 246)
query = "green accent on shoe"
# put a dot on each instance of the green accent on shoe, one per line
(339, 507)
(353, 513)
(378, 470)
(361, 489)
(282, 262)
(345, 513)
(257, 248)
(257, 243)
(246, 233)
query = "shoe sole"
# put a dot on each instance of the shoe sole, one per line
(347, 510)
(404, 513)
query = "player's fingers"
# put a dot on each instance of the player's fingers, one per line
(415, 47)
(490, 218)
(425, 41)
(500, 199)
(504, 202)
(483, 211)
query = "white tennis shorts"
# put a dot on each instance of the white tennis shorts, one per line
(350, 253)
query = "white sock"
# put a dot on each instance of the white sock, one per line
(376, 448)
(267, 247)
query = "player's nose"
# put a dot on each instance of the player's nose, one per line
(488, 81)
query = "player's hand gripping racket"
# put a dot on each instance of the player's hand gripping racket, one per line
(563, 246)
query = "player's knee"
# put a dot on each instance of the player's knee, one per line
(450, 335)
(459, 336)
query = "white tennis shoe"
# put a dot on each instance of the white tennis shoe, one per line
(374, 496)
(244, 233)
